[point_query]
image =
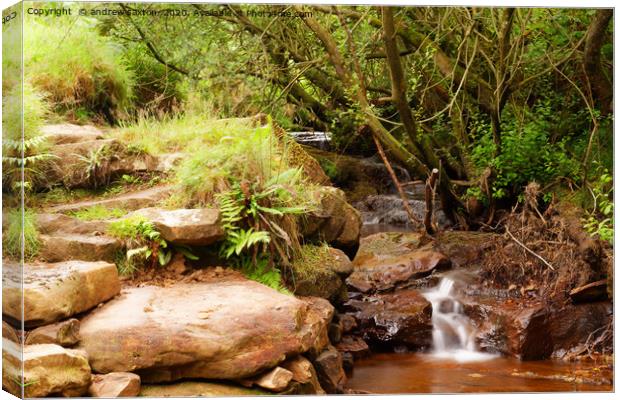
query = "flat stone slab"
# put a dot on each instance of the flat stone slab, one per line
(231, 328)
(67, 246)
(194, 227)
(53, 291)
(48, 370)
(129, 201)
(71, 133)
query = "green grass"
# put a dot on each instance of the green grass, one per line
(79, 70)
(128, 228)
(98, 212)
(12, 235)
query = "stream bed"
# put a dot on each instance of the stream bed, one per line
(408, 373)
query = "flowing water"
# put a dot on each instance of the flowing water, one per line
(453, 335)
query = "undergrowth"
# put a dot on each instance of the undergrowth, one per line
(81, 72)
(12, 234)
(98, 212)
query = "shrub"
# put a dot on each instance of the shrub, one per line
(28, 156)
(12, 235)
(142, 240)
(78, 69)
(600, 219)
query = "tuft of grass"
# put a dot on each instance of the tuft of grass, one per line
(78, 69)
(12, 235)
(98, 212)
(312, 263)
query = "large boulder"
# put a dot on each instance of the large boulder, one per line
(399, 318)
(194, 227)
(334, 221)
(53, 291)
(230, 328)
(48, 369)
(115, 384)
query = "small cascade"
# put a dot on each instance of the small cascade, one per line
(453, 335)
(320, 140)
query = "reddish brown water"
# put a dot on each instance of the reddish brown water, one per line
(421, 373)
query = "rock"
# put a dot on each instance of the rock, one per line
(304, 373)
(353, 345)
(48, 370)
(8, 332)
(335, 332)
(70, 133)
(464, 248)
(389, 244)
(348, 362)
(399, 318)
(128, 201)
(591, 292)
(275, 380)
(198, 389)
(388, 209)
(193, 227)
(48, 224)
(348, 322)
(53, 291)
(330, 372)
(65, 333)
(115, 384)
(318, 272)
(227, 328)
(335, 222)
(385, 272)
(67, 246)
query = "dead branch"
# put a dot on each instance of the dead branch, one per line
(429, 196)
(529, 250)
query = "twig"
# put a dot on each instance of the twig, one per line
(429, 197)
(414, 220)
(528, 250)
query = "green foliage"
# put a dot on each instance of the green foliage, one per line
(76, 67)
(261, 214)
(600, 219)
(96, 166)
(527, 153)
(98, 212)
(29, 156)
(12, 234)
(262, 272)
(143, 242)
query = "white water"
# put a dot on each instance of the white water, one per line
(453, 335)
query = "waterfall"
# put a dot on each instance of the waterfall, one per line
(453, 335)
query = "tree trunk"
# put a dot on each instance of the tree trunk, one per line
(601, 86)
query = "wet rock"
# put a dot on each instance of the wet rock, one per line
(335, 222)
(399, 318)
(348, 362)
(228, 328)
(48, 370)
(464, 248)
(304, 373)
(199, 389)
(335, 332)
(8, 332)
(70, 133)
(348, 322)
(194, 227)
(275, 380)
(53, 291)
(387, 272)
(128, 201)
(591, 292)
(389, 210)
(356, 346)
(65, 333)
(330, 372)
(66, 246)
(115, 384)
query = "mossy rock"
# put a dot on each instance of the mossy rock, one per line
(320, 271)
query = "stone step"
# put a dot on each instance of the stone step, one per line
(52, 223)
(129, 201)
(54, 291)
(67, 246)
(71, 133)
